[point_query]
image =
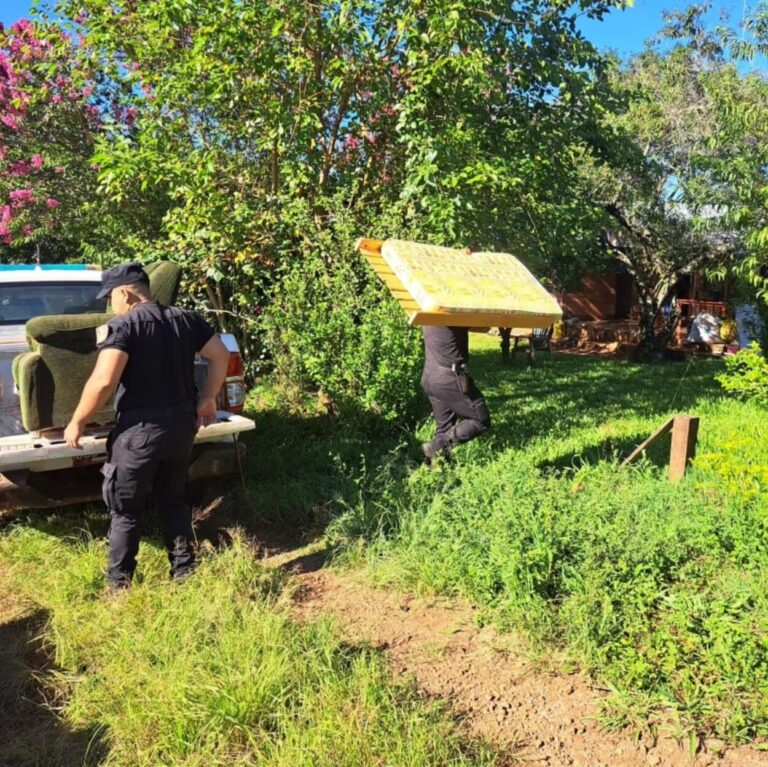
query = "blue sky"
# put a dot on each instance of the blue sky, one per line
(623, 31)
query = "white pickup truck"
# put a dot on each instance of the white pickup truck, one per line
(37, 469)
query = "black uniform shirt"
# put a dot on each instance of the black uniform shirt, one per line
(445, 346)
(161, 343)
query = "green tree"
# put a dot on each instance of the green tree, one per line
(738, 148)
(667, 212)
(268, 126)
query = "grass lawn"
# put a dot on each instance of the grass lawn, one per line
(210, 672)
(656, 589)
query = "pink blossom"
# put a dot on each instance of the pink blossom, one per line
(6, 214)
(59, 169)
(20, 197)
(9, 121)
(81, 17)
(4, 232)
(57, 98)
(95, 166)
(37, 161)
(130, 116)
(21, 26)
(20, 168)
(51, 202)
(87, 91)
(352, 142)
(27, 230)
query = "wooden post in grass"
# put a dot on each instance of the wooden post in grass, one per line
(685, 430)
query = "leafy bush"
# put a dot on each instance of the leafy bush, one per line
(746, 374)
(332, 326)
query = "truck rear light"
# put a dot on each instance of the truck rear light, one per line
(235, 396)
(234, 388)
(235, 367)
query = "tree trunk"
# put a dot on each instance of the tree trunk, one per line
(653, 342)
(651, 347)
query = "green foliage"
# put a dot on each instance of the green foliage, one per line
(213, 672)
(331, 325)
(330, 328)
(746, 374)
(453, 122)
(652, 587)
(669, 178)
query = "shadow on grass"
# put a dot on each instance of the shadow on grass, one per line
(30, 732)
(610, 450)
(302, 469)
(562, 392)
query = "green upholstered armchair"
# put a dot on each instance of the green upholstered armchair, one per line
(51, 376)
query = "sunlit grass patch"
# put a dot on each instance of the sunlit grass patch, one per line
(212, 671)
(652, 587)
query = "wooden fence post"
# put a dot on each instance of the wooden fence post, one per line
(685, 430)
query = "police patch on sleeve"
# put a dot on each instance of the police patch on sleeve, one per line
(101, 333)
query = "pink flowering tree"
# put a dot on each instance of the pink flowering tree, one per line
(52, 115)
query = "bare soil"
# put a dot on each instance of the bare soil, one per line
(498, 694)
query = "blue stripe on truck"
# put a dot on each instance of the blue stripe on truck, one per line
(42, 267)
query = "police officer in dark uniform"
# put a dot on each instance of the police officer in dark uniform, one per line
(147, 352)
(451, 391)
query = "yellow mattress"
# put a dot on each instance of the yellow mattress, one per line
(446, 286)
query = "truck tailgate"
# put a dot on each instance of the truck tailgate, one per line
(25, 451)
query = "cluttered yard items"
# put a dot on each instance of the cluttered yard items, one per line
(451, 287)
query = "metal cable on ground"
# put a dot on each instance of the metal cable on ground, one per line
(680, 382)
(243, 485)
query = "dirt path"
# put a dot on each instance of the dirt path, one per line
(544, 719)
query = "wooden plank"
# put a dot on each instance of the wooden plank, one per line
(660, 432)
(394, 284)
(685, 431)
(378, 262)
(365, 245)
(480, 319)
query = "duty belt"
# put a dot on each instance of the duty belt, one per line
(457, 367)
(148, 413)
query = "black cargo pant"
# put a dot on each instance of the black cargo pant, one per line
(148, 458)
(449, 404)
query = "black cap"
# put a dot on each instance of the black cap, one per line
(117, 276)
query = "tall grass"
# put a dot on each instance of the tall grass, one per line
(656, 589)
(212, 672)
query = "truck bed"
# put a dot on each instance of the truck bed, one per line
(47, 453)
